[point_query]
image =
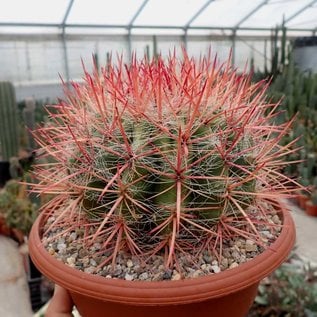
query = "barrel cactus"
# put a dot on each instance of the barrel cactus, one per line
(163, 157)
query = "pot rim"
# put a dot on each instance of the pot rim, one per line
(164, 292)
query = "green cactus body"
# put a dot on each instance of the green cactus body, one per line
(9, 127)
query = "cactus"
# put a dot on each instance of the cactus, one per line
(29, 120)
(300, 100)
(278, 50)
(9, 126)
(163, 158)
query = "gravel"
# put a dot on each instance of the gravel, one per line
(87, 259)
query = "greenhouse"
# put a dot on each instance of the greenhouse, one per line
(156, 155)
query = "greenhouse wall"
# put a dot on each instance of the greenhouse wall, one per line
(305, 53)
(35, 64)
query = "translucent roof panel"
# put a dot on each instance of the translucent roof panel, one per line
(225, 13)
(307, 19)
(272, 13)
(32, 11)
(108, 12)
(167, 12)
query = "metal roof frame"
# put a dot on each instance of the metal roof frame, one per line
(258, 7)
(187, 26)
(300, 11)
(197, 14)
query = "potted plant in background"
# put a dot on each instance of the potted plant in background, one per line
(167, 190)
(17, 210)
(311, 204)
(17, 214)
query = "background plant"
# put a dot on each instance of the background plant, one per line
(290, 291)
(168, 157)
(18, 211)
(297, 91)
(9, 127)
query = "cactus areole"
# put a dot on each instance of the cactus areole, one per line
(163, 157)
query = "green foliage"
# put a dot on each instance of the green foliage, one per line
(278, 50)
(16, 208)
(38, 107)
(290, 291)
(297, 92)
(9, 125)
(29, 121)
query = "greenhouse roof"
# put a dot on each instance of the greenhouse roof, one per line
(142, 15)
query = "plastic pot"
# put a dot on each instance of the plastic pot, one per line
(311, 209)
(229, 293)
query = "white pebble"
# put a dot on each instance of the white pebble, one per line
(93, 262)
(176, 277)
(89, 269)
(233, 265)
(216, 268)
(129, 277)
(73, 236)
(198, 273)
(251, 247)
(61, 247)
(144, 276)
(276, 219)
(71, 260)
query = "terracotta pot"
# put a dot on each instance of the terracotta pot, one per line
(226, 294)
(311, 209)
(302, 199)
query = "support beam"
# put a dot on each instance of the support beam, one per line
(185, 39)
(69, 7)
(130, 25)
(234, 37)
(63, 25)
(197, 14)
(257, 8)
(161, 27)
(129, 44)
(300, 11)
(66, 65)
(155, 50)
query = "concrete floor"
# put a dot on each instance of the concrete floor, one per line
(14, 295)
(306, 235)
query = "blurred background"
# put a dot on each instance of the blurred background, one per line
(42, 42)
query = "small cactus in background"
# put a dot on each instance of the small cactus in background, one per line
(29, 121)
(162, 157)
(9, 126)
